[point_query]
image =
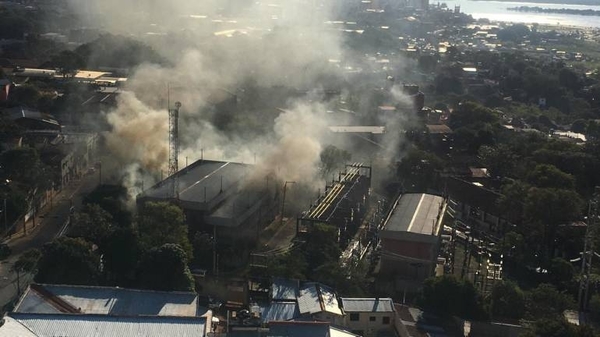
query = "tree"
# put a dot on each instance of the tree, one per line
(557, 327)
(69, 261)
(121, 254)
(27, 95)
(549, 176)
(514, 33)
(165, 268)
(500, 159)
(322, 245)
(27, 263)
(203, 250)
(290, 265)
(110, 198)
(93, 224)
(418, 169)
(470, 113)
(24, 165)
(68, 62)
(507, 300)
(448, 296)
(561, 272)
(332, 159)
(159, 223)
(546, 301)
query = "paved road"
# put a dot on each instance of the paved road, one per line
(49, 223)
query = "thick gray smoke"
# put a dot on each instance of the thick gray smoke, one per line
(217, 46)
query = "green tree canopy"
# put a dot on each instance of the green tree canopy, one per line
(333, 159)
(159, 223)
(470, 113)
(122, 253)
(110, 198)
(418, 169)
(322, 245)
(24, 166)
(500, 159)
(448, 296)
(549, 176)
(27, 262)
(545, 301)
(507, 300)
(165, 268)
(69, 261)
(93, 224)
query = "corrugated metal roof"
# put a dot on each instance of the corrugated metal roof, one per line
(13, 328)
(330, 302)
(415, 213)
(367, 304)
(110, 301)
(205, 183)
(284, 290)
(308, 301)
(280, 311)
(68, 325)
(315, 298)
(304, 329)
(299, 329)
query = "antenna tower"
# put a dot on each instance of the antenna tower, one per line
(174, 146)
(588, 250)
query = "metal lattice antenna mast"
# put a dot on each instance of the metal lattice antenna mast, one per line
(588, 251)
(174, 147)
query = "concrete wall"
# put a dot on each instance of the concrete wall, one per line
(367, 328)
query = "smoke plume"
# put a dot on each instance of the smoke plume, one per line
(215, 48)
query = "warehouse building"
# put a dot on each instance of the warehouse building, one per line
(218, 198)
(410, 238)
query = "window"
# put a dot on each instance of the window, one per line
(372, 318)
(386, 320)
(353, 317)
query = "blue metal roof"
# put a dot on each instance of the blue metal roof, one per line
(280, 311)
(284, 289)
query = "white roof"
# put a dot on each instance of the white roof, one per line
(308, 301)
(12, 328)
(45, 298)
(367, 304)
(69, 325)
(315, 298)
(330, 301)
(358, 129)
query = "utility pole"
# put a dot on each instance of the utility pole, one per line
(5, 217)
(174, 148)
(588, 251)
(283, 201)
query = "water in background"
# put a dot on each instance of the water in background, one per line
(497, 11)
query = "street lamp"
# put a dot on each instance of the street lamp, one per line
(283, 201)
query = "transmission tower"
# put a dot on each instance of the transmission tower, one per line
(588, 250)
(174, 147)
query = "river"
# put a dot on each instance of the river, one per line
(498, 11)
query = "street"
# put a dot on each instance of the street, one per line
(49, 222)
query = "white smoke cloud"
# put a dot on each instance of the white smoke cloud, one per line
(218, 45)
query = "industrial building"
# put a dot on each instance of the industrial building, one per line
(410, 238)
(61, 310)
(343, 204)
(369, 317)
(219, 198)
